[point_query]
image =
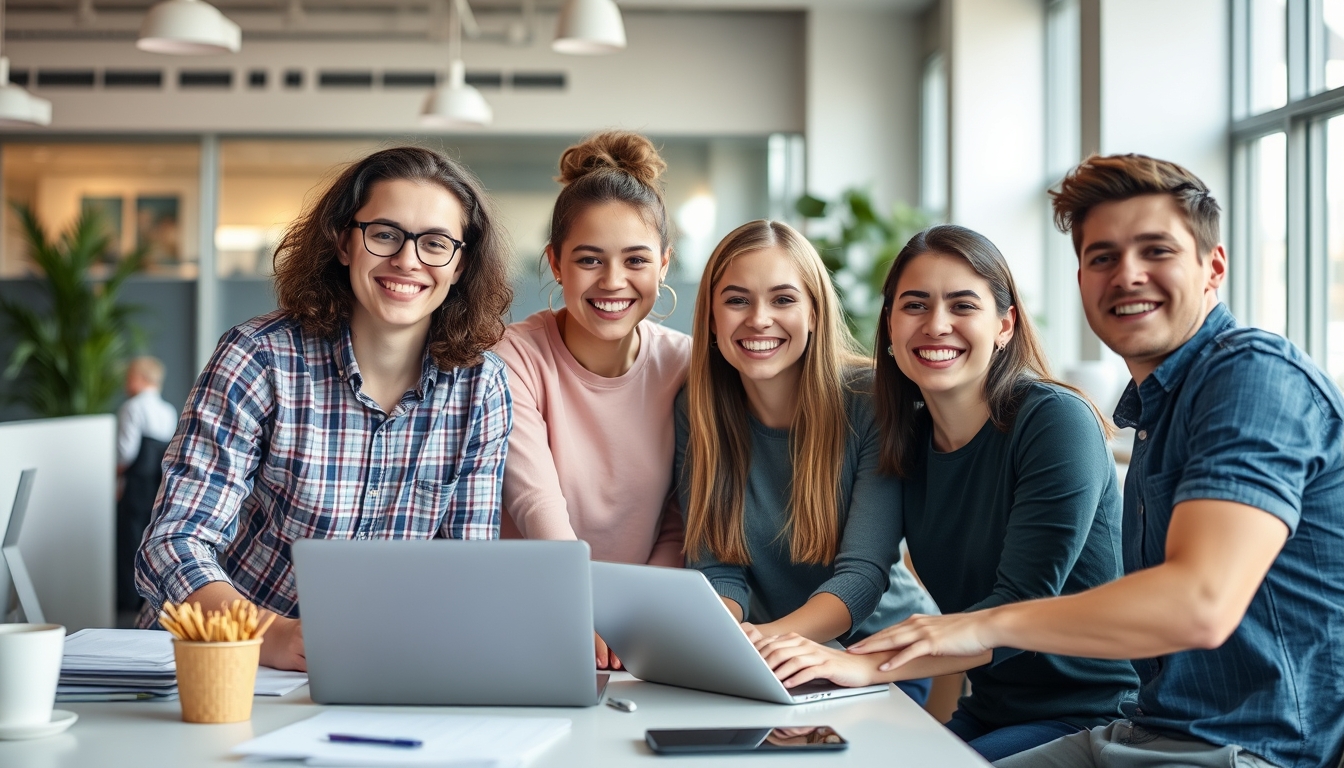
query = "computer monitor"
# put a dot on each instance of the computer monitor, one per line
(12, 570)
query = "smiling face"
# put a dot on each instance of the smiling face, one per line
(1145, 287)
(944, 325)
(762, 315)
(609, 267)
(397, 293)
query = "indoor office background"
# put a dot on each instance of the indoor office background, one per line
(962, 110)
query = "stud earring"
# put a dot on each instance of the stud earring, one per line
(889, 352)
(999, 347)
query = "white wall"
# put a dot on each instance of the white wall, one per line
(863, 69)
(1166, 84)
(67, 537)
(997, 77)
(686, 73)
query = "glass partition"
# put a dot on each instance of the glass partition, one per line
(147, 194)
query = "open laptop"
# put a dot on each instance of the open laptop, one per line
(448, 622)
(668, 625)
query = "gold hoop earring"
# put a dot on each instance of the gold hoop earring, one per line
(662, 317)
(551, 296)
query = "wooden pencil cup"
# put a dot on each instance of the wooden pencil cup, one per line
(215, 681)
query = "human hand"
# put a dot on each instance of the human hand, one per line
(753, 632)
(282, 645)
(797, 660)
(606, 658)
(957, 634)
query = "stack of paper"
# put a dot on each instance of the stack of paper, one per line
(134, 664)
(117, 664)
(447, 740)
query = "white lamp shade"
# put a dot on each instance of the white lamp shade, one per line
(589, 27)
(456, 104)
(188, 27)
(17, 106)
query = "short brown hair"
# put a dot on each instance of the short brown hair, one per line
(314, 287)
(1104, 179)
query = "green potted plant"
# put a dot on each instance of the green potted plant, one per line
(70, 355)
(859, 251)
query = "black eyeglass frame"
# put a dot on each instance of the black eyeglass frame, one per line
(413, 237)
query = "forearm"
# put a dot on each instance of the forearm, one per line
(1149, 613)
(925, 666)
(822, 618)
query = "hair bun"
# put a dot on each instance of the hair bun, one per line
(615, 150)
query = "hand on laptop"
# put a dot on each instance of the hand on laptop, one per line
(282, 647)
(606, 658)
(797, 660)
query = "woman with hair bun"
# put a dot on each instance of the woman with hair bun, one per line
(367, 407)
(593, 381)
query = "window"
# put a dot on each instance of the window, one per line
(1287, 210)
(1334, 196)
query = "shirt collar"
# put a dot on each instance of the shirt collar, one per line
(1171, 372)
(348, 367)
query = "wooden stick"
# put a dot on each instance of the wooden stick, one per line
(265, 625)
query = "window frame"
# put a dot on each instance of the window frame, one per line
(1303, 121)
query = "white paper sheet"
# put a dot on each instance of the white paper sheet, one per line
(275, 682)
(449, 740)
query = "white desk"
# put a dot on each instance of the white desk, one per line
(883, 730)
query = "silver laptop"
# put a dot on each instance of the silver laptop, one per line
(448, 622)
(668, 625)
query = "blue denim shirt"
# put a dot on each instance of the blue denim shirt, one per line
(1238, 414)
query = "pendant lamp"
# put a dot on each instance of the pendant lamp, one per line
(589, 27)
(456, 104)
(18, 107)
(188, 27)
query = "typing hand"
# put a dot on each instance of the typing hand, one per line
(282, 645)
(797, 660)
(955, 634)
(606, 658)
(754, 633)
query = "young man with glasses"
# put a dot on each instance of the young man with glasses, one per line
(1233, 604)
(367, 407)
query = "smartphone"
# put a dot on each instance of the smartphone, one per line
(683, 741)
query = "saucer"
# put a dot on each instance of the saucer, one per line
(60, 720)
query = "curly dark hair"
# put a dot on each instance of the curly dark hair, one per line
(314, 287)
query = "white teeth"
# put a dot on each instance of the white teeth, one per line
(613, 306)
(938, 355)
(1134, 309)
(762, 346)
(401, 287)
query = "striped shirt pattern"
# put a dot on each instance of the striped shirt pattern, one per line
(1238, 414)
(278, 442)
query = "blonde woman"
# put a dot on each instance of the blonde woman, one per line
(593, 383)
(787, 513)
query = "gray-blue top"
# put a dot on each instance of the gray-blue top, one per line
(1238, 414)
(866, 574)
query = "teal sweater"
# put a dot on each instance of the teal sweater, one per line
(866, 574)
(1010, 516)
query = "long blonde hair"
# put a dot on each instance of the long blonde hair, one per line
(719, 448)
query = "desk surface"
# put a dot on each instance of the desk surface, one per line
(883, 729)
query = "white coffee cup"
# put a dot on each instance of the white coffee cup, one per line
(30, 665)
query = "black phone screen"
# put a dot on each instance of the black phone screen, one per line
(793, 738)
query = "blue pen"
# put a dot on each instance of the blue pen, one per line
(348, 738)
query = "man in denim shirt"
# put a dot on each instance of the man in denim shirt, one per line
(1233, 602)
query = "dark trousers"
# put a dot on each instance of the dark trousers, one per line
(134, 508)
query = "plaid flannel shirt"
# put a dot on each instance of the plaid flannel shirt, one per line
(278, 442)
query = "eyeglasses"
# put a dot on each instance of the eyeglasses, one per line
(385, 240)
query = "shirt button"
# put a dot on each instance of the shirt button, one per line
(361, 535)
(373, 492)
(1143, 434)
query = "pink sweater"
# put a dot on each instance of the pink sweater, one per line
(591, 457)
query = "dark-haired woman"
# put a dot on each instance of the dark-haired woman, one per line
(367, 407)
(593, 382)
(1010, 493)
